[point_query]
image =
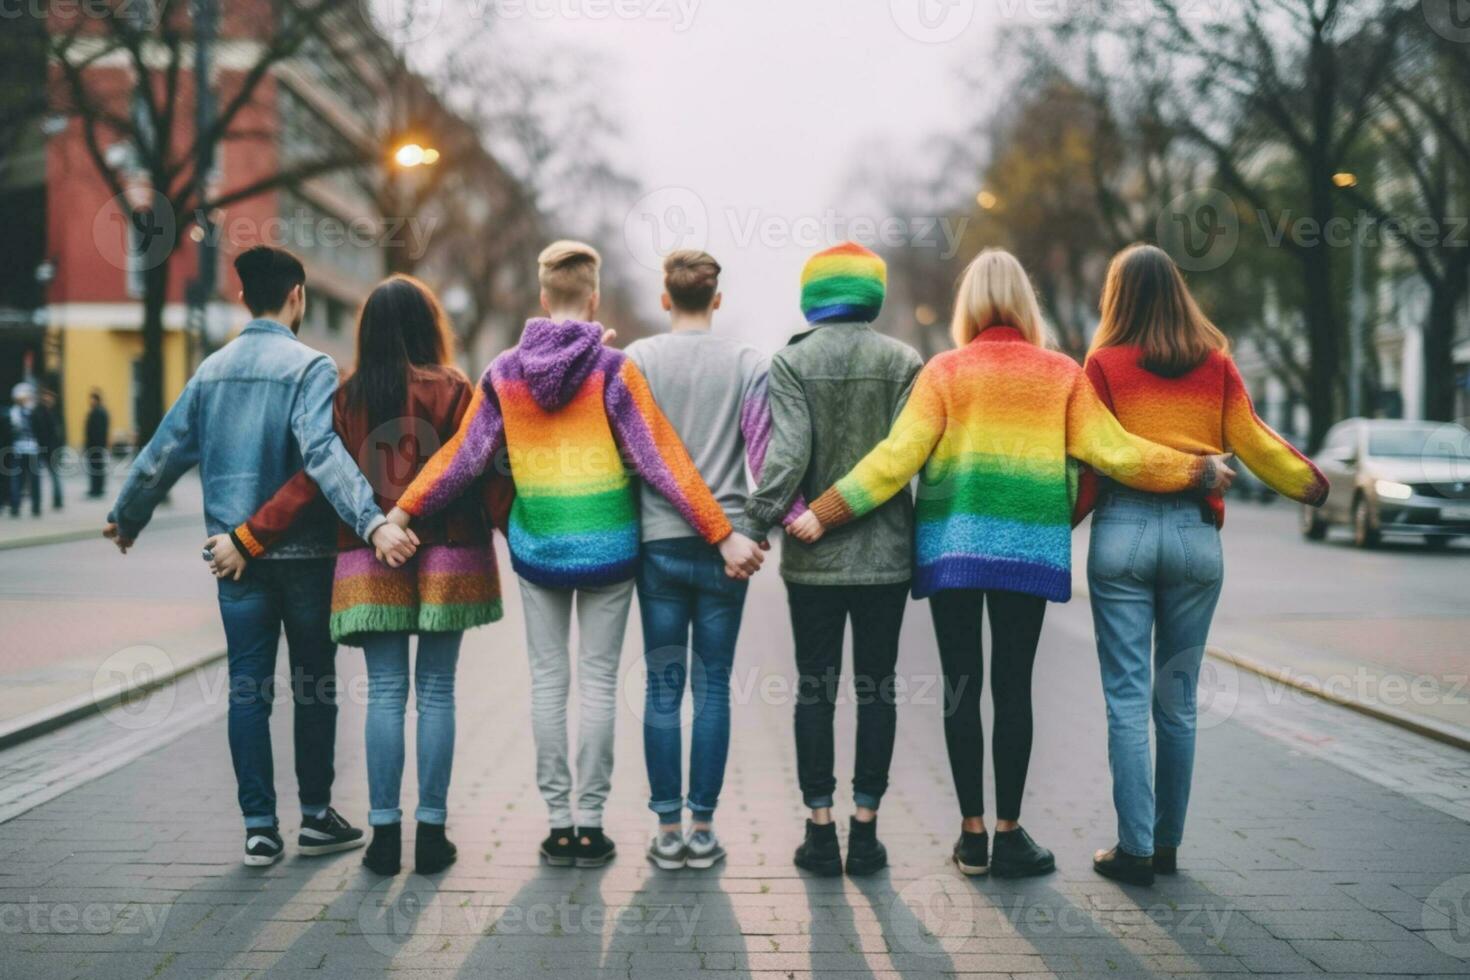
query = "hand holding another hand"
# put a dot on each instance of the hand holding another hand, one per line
(225, 560)
(806, 528)
(1218, 474)
(743, 557)
(395, 544)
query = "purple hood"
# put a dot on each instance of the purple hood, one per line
(556, 358)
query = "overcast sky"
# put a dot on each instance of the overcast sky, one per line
(745, 119)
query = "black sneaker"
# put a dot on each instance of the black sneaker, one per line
(263, 846)
(432, 851)
(1016, 855)
(385, 854)
(972, 853)
(820, 853)
(865, 852)
(327, 834)
(1166, 860)
(594, 848)
(1119, 865)
(560, 849)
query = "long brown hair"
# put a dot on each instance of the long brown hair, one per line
(402, 326)
(1146, 303)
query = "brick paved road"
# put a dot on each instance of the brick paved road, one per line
(1295, 864)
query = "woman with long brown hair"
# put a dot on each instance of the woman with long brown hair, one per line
(404, 399)
(1155, 566)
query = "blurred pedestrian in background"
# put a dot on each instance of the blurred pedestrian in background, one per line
(25, 468)
(7, 464)
(46, 423)
(99, 427)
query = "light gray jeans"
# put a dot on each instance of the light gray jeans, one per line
(602, 618)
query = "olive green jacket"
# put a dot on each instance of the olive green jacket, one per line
(835, 391)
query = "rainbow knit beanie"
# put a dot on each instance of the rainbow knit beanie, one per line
(843, 283)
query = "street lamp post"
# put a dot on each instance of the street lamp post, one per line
(1357, 312)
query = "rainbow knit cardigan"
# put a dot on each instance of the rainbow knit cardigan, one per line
(574, 417)
(992, 426)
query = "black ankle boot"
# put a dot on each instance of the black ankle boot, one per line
(1119, 865)
(820, 853)
(385, 854)
(1016, 855)
(865, 852)
(432, 851)
(972, 853)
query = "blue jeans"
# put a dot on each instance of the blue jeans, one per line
(433, 684)
(1154, 572)
(295, 593)
(682, 586)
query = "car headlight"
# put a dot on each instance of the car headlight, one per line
(1393, 490)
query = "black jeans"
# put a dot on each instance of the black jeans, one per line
(96, 457)
(819, 615)
(294, 593)
(1015, 629)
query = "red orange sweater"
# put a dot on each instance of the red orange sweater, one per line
(1206, 411)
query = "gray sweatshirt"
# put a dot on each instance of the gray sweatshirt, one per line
(713, 391)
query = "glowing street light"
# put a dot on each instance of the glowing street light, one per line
(411, 155)
(926, 315)
(987, 200)
(1345, 180)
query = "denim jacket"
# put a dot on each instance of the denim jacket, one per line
(255, 413)
(835, 390)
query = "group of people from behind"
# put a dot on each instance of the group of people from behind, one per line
(662, 471)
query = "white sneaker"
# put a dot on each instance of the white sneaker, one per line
(704, 849)
(667, 850)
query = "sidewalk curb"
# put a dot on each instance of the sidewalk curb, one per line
(47, 720)
(1444, 734)
(166, 522)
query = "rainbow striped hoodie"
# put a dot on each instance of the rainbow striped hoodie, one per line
(992, 427)
(574, 417)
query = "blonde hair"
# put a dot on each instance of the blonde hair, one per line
(995, 291)
(1146, 303)
(569, 272)
(691, 278)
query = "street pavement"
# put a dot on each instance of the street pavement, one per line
(1320, 841)
(78, 616)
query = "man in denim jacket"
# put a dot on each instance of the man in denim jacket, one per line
(253, 415)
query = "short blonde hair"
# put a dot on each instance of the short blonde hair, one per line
(691, 278)
(569, 272)
(995, 291)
